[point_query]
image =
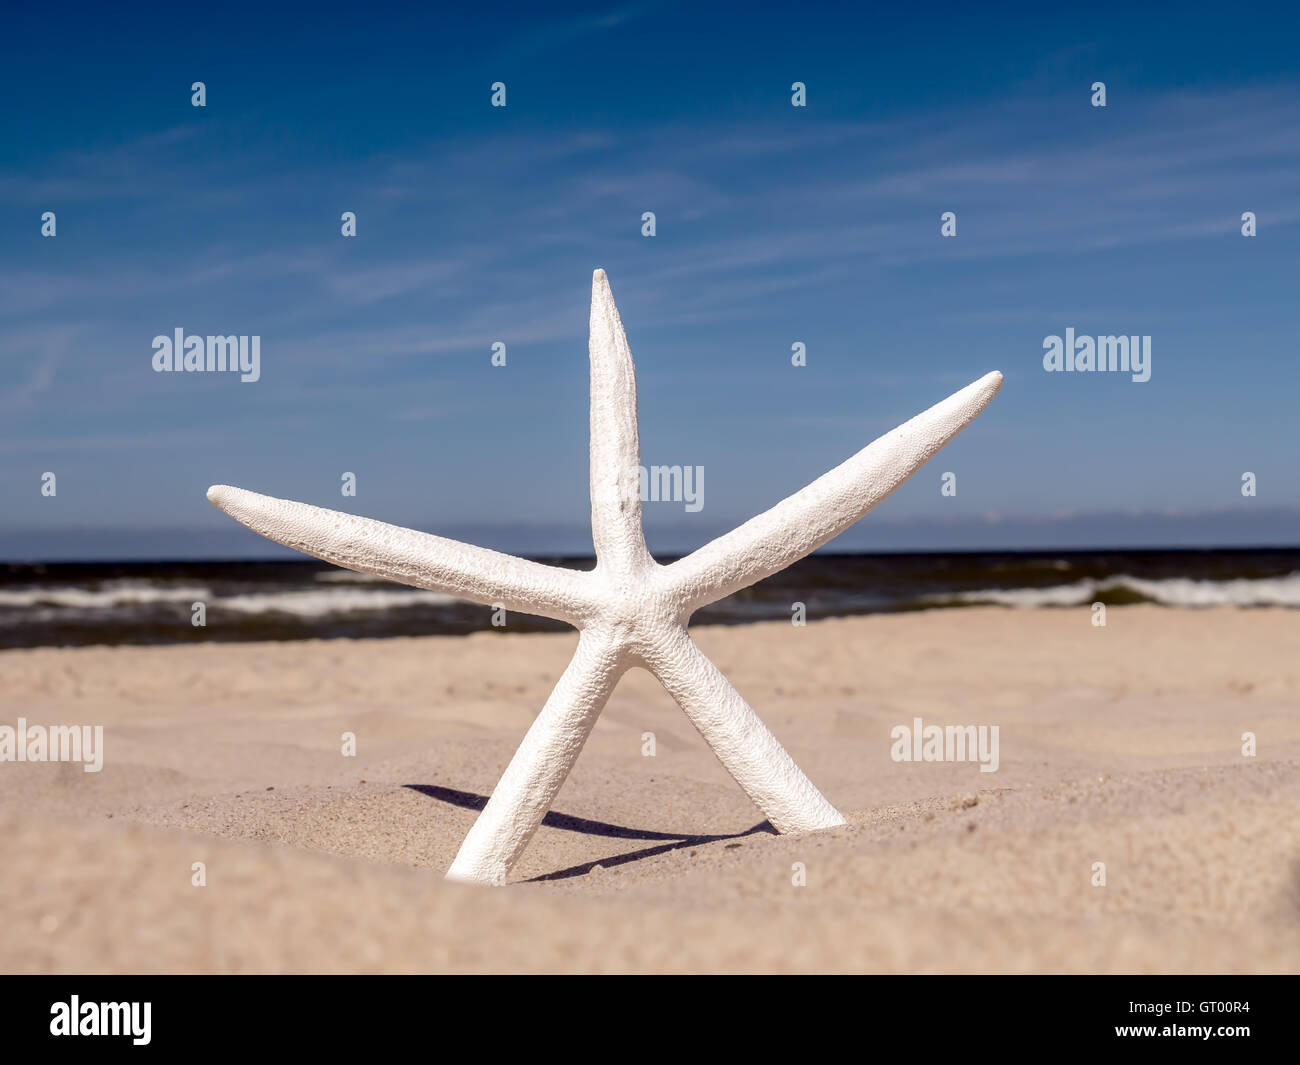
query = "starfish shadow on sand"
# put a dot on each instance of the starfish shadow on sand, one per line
(671, 841)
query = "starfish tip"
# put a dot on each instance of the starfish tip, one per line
(598, 275)
(985, 388)
(218, 494)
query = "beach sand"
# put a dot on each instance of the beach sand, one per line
(1120, 745)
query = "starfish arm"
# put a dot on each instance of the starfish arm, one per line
(803, 522)
(743, 744)
(540, 766)
(410, 557)
(615, 444)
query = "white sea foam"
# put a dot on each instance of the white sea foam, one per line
(1169, 591)
(45, 603)
(347, 576)
(318, 603)
(124, 593)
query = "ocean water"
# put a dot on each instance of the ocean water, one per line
(69, 604)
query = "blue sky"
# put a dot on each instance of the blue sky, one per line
(775, 224)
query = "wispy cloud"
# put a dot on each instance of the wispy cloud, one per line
(30, 360)
(537, 39)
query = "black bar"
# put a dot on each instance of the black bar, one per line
(866, 1015)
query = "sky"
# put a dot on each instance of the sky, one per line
(774, 225)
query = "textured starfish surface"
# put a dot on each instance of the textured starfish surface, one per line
(630, 610)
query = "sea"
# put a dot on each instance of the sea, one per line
(79, 604)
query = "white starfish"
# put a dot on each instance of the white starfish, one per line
(630, 610)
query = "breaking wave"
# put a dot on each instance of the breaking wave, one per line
(316, 604)
(124, 593)
(1122, 588)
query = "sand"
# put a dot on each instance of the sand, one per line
(1120, 745)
